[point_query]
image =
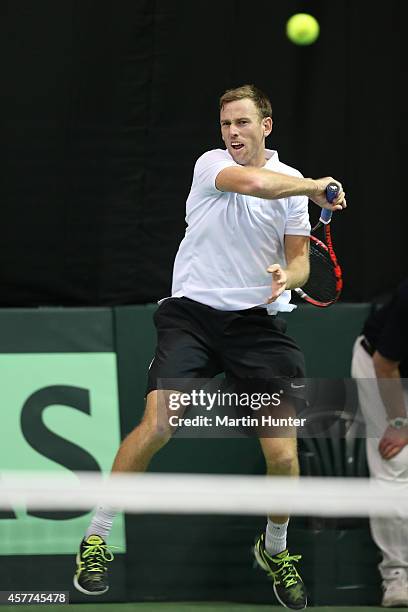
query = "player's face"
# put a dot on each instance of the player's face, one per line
(244, 132)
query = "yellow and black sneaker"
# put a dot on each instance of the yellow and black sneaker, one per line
(91, 576)
(287, 584)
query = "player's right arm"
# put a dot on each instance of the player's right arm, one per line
(270, 185)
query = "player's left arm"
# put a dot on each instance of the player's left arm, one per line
(296, 272)
(392, 395)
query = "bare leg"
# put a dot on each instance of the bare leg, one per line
(281, 453)
(143, 442)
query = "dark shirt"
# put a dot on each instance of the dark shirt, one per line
(386, 329)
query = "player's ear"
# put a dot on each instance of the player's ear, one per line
(267, 125)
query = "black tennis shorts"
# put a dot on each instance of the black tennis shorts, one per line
(195, 341)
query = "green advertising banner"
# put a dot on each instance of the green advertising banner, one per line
(60, 413)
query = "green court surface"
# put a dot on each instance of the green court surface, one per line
(190, 607)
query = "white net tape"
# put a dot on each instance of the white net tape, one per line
(205, 494)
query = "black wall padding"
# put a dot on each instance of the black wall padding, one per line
(107, 105)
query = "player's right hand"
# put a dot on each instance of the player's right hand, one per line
(319, 197)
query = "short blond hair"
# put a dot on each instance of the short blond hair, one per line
(258, 97)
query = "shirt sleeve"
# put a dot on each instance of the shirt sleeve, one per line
(298, 221)
(208, 167)
(392, 341)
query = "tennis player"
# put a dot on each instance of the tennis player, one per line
(245, 247)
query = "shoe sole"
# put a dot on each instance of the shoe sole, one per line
(82, 590)
(263, 565)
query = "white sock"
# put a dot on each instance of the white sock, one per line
(275, 537)
(101, 523)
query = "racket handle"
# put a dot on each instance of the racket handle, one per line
(332, 190)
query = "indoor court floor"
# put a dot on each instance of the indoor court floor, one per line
(192, 607)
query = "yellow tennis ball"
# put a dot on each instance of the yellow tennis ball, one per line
(302, 29)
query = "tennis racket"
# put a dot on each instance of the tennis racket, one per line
(325, 281)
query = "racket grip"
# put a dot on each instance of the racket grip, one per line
(332, 190)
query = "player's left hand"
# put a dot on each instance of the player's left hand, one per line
(392, 442)
(279, 281)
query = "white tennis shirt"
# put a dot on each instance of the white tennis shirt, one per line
(231, 239)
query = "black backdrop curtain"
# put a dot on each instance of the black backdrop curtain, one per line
(107, 104)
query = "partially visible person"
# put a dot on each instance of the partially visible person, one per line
(381, 353)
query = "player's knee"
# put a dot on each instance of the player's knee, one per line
(282, 464)
(162, 435)
(156, 434)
